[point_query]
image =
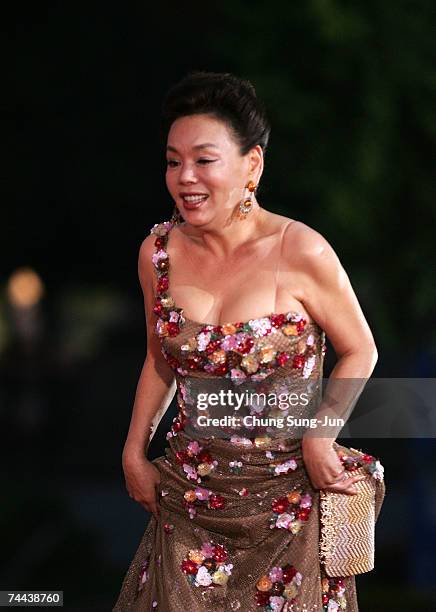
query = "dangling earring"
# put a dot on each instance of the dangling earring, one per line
(246, 204)
(176, 216)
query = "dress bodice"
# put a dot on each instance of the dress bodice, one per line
(251, 349)
(276, 351)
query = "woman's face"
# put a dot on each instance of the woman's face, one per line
(206, 174)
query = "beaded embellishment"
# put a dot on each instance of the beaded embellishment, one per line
(291, 511)
(207, 566)
(278, 589)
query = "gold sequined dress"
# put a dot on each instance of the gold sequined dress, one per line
(239, 525)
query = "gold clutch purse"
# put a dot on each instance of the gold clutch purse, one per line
(347, 537)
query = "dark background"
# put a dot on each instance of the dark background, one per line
(351, 93)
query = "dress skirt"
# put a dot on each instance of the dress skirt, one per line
(239, 529)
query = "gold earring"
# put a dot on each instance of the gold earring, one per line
(246, 204)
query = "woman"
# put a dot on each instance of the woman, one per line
(237, 297)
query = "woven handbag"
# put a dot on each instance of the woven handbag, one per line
(347, 539)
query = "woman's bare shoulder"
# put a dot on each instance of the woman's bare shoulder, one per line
(147, 246)
(306, 242)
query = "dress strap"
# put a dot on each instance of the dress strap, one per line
(160, 257)
(279, 255)
(169, 315)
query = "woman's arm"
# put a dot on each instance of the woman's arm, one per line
(156, 386)
(329, 298)
(155, 390)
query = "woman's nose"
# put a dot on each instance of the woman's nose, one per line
(187, 174)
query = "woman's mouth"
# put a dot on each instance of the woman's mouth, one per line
(192, 202)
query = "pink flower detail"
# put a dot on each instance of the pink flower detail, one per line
(283, 468)
(306, 501)
(157, 257)
(194, 447)
(284, 520)
(203, 340)
(208, 549)
(276, 603)
(308, 366)
(240, 441)
(237, 374)
(191, 472)
(276, 574)
(310, 340)
(202, 494)
(229, 343)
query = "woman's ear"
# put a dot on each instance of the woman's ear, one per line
(256, 162)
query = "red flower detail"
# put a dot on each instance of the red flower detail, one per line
(220, 553)
(300, 325)
(262, 598)
(303, 514)
(204, 456)
(216, 502)
(298, 361)
(289, 572)
(172, 361)
(176, 426)
(189, 567)
(278, 320)
(245, 346)
(280, 505)
(282, 358)
(194, 362)
(158, 309)
(162, 284)
(212, 346)
(159, 242)
(173, 328)
(220, 369)
(182, 457)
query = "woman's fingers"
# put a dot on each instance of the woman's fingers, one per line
(339, 478)
(346, 486)
(153, 508)
(149, 504)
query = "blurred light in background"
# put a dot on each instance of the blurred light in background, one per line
(25, 288)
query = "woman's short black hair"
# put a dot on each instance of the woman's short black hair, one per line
(223, 96)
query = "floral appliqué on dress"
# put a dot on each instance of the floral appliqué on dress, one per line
(207, 566)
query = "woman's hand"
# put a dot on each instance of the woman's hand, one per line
(142, 479)
(325, 469)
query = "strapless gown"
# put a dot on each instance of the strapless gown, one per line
(239, 525)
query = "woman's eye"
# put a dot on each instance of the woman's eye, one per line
(172, 163)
